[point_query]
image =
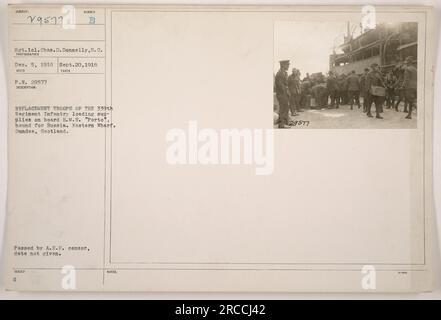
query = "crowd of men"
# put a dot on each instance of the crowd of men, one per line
(373, 87)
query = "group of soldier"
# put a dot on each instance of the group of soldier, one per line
(374, 87)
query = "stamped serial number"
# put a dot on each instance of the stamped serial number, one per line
(297, 123)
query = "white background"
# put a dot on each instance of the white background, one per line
(436, 294)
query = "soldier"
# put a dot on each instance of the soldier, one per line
(410, 84)
(353, 89)
(399, 88)
(281, 84)
(299, 80)
(305, 91)
(383, 98)
(374, 83)
(342, 88)
(294, 91)
(332, 86)
(391, 82)
(364, 90)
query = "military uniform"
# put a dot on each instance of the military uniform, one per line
(374, 78)
(342, 87)
(353, 83)
(390, 81)
(364, 91)
(305, 93)
(294, 93)
(332, 86)
(410, 87)
(400, 90)
(281, 86)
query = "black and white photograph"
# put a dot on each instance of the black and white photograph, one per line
(344, 75)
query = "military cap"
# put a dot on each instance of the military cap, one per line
(284, 62)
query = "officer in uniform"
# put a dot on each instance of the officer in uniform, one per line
(374, 78)
(281, 84)
(410, 84)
